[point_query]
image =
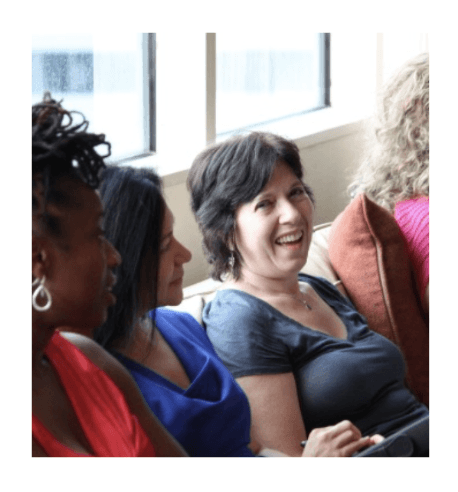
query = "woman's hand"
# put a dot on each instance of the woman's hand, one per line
(340, 440)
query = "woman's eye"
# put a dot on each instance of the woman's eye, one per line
(298, 191)
(263, 204)
(165, 246)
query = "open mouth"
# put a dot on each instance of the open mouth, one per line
(290, 239)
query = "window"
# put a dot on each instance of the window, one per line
(261, 78)
(209, 85)
(109, 78)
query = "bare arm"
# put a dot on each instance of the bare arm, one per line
(164, 443)
(277, 421)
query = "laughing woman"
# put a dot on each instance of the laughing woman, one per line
(301, 352)
(84, 403)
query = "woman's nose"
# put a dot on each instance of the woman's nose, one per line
(184, 255)
(187, 255)
(114, 257)
(288, 212)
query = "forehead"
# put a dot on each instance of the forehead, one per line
(84, 208)
(168, 220)
(86, 199)
(282, 175)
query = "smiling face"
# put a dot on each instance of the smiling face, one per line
(78, 264)
(172, 257)
(273, 231)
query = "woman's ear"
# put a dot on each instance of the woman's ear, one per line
(231, 239)
(39, 256)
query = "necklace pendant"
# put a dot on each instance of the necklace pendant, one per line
(307, 305)
(304, 303)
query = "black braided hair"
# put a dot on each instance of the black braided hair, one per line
(60, 145)
(61, 148)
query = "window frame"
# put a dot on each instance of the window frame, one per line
(149, 93)
(325, 58)
(147, 53)
(324, 89)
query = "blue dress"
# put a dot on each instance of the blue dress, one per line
(212, 416)
(360, 378)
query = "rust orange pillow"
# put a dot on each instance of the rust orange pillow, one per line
(367, 251)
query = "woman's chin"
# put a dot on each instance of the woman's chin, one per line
(172, 300)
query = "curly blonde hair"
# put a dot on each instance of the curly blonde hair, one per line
(396, 166)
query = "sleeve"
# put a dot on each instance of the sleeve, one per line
(412, 217)
(246, 337)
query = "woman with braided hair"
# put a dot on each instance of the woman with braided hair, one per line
(84, 403)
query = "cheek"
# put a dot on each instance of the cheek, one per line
(92, 272)
(165, 270)
(256, 242)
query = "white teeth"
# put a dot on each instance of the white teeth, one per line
(290, 238)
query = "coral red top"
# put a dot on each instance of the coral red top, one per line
(412, 217)
(103, 413)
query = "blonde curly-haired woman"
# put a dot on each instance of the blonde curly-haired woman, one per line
(395, 172)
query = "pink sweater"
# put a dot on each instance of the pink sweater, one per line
(412, 217)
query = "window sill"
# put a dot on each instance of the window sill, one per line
(306, 130)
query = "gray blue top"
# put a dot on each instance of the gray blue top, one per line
(360, 378)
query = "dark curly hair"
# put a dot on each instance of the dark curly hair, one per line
(226, 175)
(61, 149)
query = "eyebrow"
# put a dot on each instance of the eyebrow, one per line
(298, 181)
(266, 194)
(170, 234)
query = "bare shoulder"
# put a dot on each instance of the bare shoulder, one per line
(91, 349)
(101, 358)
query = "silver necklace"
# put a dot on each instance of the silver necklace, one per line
(302, 301)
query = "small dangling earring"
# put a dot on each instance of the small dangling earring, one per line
(232, 263)
(41, 291)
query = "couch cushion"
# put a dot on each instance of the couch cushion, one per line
(195, 304)
(318, 262)
(368, 253)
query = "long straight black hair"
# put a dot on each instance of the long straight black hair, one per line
(134, 215)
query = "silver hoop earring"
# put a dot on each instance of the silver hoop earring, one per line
(41, 291)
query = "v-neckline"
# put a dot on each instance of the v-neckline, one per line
(156, 374)
(278, 312)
